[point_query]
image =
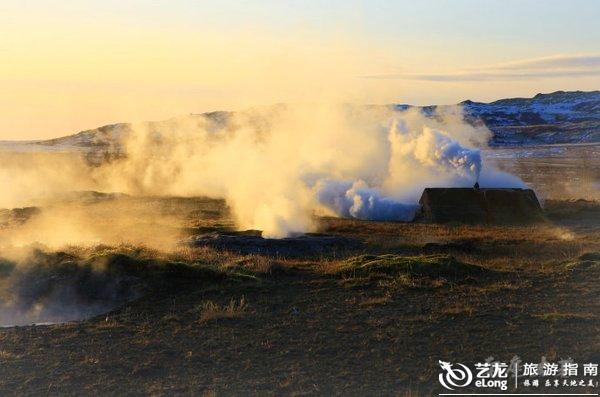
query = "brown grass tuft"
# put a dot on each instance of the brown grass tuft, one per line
(212, 311)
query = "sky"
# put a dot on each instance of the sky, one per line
(68, 66)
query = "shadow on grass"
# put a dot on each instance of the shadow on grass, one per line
(66, 286)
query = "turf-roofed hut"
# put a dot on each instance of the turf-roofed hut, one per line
(479, 206)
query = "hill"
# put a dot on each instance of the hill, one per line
(558, 117)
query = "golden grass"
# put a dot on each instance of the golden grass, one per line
(375, 301)
(6, 355)
(555, 316)
(458, 310)
(390, 265)
(212, 311)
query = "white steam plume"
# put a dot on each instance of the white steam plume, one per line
(277, 167)
(357, 200)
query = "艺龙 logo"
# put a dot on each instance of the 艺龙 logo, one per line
(455, 377)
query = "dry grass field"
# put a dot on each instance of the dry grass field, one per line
(373, 318)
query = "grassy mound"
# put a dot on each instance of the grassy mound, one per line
(63, 286)
(588, 261)
(105, 267)
(378, 266)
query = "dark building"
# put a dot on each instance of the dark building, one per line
(479, 206)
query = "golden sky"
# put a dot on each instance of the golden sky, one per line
(66, 68)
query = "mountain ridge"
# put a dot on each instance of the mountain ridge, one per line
(557, 117)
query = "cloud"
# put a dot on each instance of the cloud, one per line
(554, 62)
(537, 68)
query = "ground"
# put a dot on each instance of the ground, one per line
(372, 319)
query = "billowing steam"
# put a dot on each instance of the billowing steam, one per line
(357, 200)
(38, 287)
(278, 167)
(423, 150)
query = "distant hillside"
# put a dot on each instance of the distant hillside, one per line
(559, 117)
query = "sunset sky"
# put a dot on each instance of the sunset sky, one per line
(68, 66)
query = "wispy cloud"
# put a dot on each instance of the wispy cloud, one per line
(555, 61)
(537, 68)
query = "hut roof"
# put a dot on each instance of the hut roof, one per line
(486, 206)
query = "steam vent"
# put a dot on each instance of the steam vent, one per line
(484, 206)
